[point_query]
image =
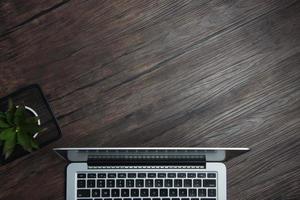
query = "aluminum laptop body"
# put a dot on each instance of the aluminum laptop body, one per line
(147, 173)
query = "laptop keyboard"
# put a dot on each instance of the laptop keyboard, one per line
(146, 186)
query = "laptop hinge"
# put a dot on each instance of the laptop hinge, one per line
(198, 161)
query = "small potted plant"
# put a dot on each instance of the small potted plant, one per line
(19, 126)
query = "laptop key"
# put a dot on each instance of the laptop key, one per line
(121, 175)
(131, 175)
(192, 192)
(110, 183)
(171, 175)
(139, 183)
(168, 183)
(181, 175)
(211, 175)
(129, 183)
(177, 183)
(100, 183)
(101, 175)
(95, 193)
(165, 199)
(191, 175)
(182, 192)
(115, 192)
(91, 175)
(149, 183)
(158, 183)
(144, 192)
(161, 175)
(125, 192)
(187, 183)
(142, 175)
(197, 183)
(211, 192)
(111, 175)
(83, 193)
(153, 192)
(81, 183)
(81, 175)
(201, 175)
(208, 199)
(105, 192)
(151, 175)
(120, 183)
(134, 192)
(163, 192)
(173, 192)
(201, 192)
(209, 183)
(175, 199)
(91, 183)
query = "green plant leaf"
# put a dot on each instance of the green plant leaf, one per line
(10, 117)
(11, 105)
(2, 116)
(4, 134)
(32, 121)
(30, 129)
(8, 139)
(9, 142)
(24, 140)
(17, 128)
(34, 144)
(3, 124)
(19, 116)
(10, 112)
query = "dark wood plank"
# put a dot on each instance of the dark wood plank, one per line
(128, 29)
(134, 95)
(16, 13)
(186, 73)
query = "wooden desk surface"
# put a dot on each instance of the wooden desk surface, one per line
(160, 73)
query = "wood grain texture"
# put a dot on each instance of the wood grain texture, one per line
(16, 13)
(163, 73)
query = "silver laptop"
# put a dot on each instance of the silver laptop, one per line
(147, 173)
